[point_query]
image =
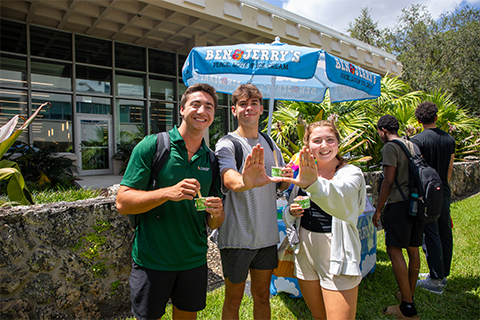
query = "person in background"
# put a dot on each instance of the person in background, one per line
(438, 149)
(327, 260)
(401, 229)
(170, 243)
(249, 236)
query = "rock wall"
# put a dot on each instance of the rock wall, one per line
(71, 260)
(464, 182)
(67, 260)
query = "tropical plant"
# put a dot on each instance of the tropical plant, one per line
(292, 117)
(356, 121)
(43, 168)
(124, 151)
(9, 170)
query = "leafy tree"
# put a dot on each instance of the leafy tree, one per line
(366, 30)
(437, 55)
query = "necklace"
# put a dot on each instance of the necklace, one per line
(193, 152)
(238, 132)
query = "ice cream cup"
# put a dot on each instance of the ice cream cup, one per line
(276, 172)
(200, 203)
(302, 201)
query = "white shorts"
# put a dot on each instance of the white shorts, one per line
(313, 262)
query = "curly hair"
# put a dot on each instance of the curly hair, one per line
(426, 112)
(388, 122)
(204, 87)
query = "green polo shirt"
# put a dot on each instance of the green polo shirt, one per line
(172, 236)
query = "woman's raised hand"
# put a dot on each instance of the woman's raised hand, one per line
(307, 174)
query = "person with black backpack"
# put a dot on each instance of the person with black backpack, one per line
(170, 241)
(438, 149)
(402, 230)
(249, 236)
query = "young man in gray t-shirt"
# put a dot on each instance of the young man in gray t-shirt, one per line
(249, 235)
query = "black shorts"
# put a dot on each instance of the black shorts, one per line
(401, 229)
(151, 289)
(237, 262)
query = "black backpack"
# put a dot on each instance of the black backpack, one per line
(159, 159)
(239, 150)
(425, 187)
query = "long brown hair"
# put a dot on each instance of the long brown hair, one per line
(333, 129)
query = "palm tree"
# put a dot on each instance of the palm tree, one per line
(354, 117)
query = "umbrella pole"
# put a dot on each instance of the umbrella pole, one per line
(270, 105)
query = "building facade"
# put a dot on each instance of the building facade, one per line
(112, 69)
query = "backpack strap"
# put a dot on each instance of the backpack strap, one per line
(159, 158)
(161, 155)
(269, 139)
(238, 151)
(403, 146)
(409, 155)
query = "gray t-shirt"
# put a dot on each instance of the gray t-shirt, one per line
(394, 156)
(250, 216)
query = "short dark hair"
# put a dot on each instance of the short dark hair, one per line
(200, 87)
(388, 122)
(426, 112)
(246, 91)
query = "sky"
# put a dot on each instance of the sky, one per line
(336, 14)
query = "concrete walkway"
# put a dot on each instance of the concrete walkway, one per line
(98, 182)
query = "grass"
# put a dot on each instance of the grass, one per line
(57, 195)
(460, 300)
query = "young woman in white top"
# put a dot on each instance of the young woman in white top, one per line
(327, 260)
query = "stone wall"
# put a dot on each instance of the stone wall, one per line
(71, 260)
(465, 180)
(67, 260)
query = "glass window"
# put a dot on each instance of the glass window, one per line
(222, 99)
(50, 43)
(181, 62)
(129, 85)
(53, 126)
(13, 71)
(161, 116)
(219, 126)
(161, 89)
(51, 75)
(129, 57)
(93, 51)
(14, 36)
(12, 103)
(93, 80)
(161, 62)
(130, 120)
(181, 90)
(93, 105)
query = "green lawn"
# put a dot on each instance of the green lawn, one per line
(460, 300)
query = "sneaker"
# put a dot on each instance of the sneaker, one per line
(423, 276)
(431, 285)
(444, 281)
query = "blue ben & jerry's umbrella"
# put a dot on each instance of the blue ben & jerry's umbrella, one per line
(281, 72)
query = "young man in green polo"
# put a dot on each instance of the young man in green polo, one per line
(170, 243)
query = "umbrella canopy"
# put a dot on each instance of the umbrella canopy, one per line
(281, 72)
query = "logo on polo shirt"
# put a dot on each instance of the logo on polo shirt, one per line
(203, 168)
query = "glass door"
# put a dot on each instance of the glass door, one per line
(95, 144)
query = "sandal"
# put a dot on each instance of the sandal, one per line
(395, 310)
